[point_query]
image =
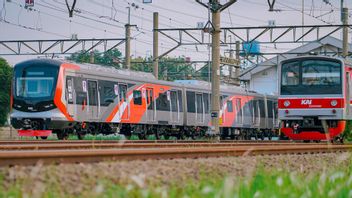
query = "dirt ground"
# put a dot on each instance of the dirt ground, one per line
(76, 178)
(7, 133)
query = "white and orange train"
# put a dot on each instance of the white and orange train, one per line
(315, 98)
(50, 96)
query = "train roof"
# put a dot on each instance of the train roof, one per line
(111, 72)
(145, 76)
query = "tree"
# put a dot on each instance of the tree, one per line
(109, 58)
(5, 81)
(169, 68)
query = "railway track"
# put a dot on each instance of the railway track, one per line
(4, 142)
(128, 145)
(156, 151)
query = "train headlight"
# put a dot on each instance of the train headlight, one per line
(333, 103)
(287, 103)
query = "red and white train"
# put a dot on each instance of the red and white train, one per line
(314, 98)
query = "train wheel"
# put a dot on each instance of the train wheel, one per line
(80, 135)
(61, 135)
(306, 141)
(44, 137)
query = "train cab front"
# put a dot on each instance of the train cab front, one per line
(311, 100)
(33, 91)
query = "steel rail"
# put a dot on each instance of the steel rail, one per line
(5, 142)
(122, 145)
(8, 158)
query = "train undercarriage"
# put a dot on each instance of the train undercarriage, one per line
(313, 129)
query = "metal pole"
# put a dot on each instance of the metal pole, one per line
(128, 47)
(155, 44)
(128, 41)
(345, 33)
(237, 71)
(215, 72)
(91, 58)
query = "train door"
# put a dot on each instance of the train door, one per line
(239, 112)
(199, 108)
(150, 104)
(175, 116)
(124, 110)
(93, 101)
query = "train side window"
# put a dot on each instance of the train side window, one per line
(137, 97)
(262, 107)
(107, 93)
(270, 109)
(199, 100)
(174, 101)
(206, 102)
(163, 103)
(191, 98)
(238, 109)
(229, 106)
(81, 95)
(123, 92)
(179, 93)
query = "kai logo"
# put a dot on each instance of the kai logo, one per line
(306, 102)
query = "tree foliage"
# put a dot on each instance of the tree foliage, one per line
(5, 81)
(169, 68)
(110, 58)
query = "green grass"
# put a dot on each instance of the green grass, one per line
(332, 183)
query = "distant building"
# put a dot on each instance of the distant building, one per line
(263, 77)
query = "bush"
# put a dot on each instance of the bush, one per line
(5, 82)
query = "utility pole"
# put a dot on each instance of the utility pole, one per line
(155, 44)
(216, 8)
(128, 41)
(237, 71)
(345, 32)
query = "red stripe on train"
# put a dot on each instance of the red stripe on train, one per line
(314, 103)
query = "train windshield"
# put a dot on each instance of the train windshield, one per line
(311, 76)
(35, 82)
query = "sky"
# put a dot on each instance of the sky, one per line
(49, 19)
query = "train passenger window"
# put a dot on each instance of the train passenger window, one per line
(107, 93)
(229, 106)
(191, 98)
(179, 93)
(270, 109)
(206, 102)
(81, 96)
(92, 93)
(290, 73)
(239, 110)
(162, 103)
(261, 108)
(199, 103)
(174, 101)
(137, 97)
(123, 92)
